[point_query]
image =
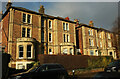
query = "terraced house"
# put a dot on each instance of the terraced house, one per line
(26, 33)
(95, 41)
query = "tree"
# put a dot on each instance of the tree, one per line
(116, 30)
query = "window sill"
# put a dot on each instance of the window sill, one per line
(20, 58)
(29, 58)
(27, 23)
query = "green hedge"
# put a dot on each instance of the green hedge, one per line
(99, 62)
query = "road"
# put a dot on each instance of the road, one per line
(98, 75)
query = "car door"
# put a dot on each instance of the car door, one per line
(41, 72)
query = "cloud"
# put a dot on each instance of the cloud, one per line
(103, 14)
(61, 0)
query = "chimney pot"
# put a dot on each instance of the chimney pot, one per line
(42, 9)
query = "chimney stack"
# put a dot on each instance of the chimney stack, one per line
(8, 4)
(91, 24)
(41, 10)
(76, 20)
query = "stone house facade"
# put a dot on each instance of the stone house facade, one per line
(26, 33)
(95, 41)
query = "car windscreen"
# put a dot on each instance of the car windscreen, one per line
(33, 69)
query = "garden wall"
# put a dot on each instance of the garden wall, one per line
(75, 61)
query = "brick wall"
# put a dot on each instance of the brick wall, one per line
(68, 61)
(5, 32)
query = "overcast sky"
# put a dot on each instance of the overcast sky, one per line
(103, 14)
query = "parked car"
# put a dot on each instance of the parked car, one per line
(45, 71)
(113, 67)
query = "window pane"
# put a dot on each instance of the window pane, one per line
(65, 51)
(28, 32)
(64, 38)
(91, 52)
(111, 53)
(23, 32)
(67, 38)
(42, 23)
(63, 26)
(20, 51)
(71, 51)
(42, 36)
(89, 42)
(24, 17)
(89, 32)
(50, 51)
(67, 26)
(28, 50)
(28, 18)
(50, 37)
(50, 24)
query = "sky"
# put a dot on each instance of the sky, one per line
(103, 14)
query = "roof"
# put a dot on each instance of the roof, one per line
(82, 24)
(100, 29)
(33, 12)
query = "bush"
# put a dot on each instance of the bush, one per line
(99, 62)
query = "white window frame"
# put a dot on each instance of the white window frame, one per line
(26, 28)
(65, 51)
(91, 42)
(19, 51)
(64, 27)
(51, 51)
(71, 51)
(109, 36)
(67, 26)
(26, 19)
(50, 27)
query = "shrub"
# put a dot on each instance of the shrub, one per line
(99, 62)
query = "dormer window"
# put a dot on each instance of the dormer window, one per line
(26, 18)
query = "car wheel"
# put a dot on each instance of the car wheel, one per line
(62, 77)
